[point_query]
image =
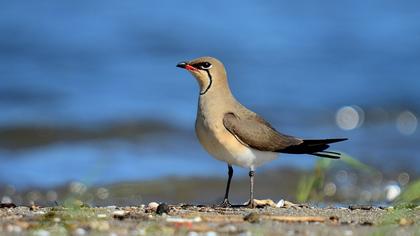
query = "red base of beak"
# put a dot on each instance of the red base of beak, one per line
(190, 68)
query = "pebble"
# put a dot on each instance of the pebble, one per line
(162, 208)
(280, 203)
(119, 214)
(252, 217)
(153, 205)
(80, 231)
(101, 215)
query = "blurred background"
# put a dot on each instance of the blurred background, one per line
(93, 107)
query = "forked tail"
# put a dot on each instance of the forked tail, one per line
(315, 147)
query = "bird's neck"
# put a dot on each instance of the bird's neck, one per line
(217, 100)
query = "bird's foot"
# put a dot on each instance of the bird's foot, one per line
(251, 204)
(225, 204)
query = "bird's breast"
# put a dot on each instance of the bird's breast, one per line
(221, 144)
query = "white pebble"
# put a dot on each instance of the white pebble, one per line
(101, 215)
(153, 205)
(280, 203)
(80, 231)
(119, 213)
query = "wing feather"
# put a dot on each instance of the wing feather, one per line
(255, 132)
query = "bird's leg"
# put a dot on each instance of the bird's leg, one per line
(226, 202)
(251, 203)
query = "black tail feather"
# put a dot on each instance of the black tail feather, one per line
(315, 147)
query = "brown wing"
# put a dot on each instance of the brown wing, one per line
(255, 132)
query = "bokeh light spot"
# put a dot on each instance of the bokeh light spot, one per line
(392, 191)
(102, 193)
(330, 189)
(52, 196)
(406, 122)
(6, 199)
(403, 178)
(349, 117)
(77, 187)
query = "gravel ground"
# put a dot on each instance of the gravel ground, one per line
(162, 219)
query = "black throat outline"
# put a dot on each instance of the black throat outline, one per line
(210, 83)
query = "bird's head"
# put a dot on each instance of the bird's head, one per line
(208, 71)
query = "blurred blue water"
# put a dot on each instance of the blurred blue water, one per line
(81, 63)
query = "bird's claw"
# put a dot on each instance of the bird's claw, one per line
(225, 204)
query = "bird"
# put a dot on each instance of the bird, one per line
(232, 133)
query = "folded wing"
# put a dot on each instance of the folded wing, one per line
(253, 131)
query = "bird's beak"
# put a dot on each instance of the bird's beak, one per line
(185, 65)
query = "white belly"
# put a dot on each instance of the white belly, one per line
(252, 158)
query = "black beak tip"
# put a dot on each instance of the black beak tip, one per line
(182, 64)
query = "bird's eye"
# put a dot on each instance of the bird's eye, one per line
(205, 65)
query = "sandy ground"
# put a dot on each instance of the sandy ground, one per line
(208, 220)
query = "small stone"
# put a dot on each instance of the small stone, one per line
(264, 202)
(280, 203)
(119, 214)
(334, 219)
(252, 217)
(153, 206)
(288, 204)
(80, 231)
(101, 215)
(162, 208)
